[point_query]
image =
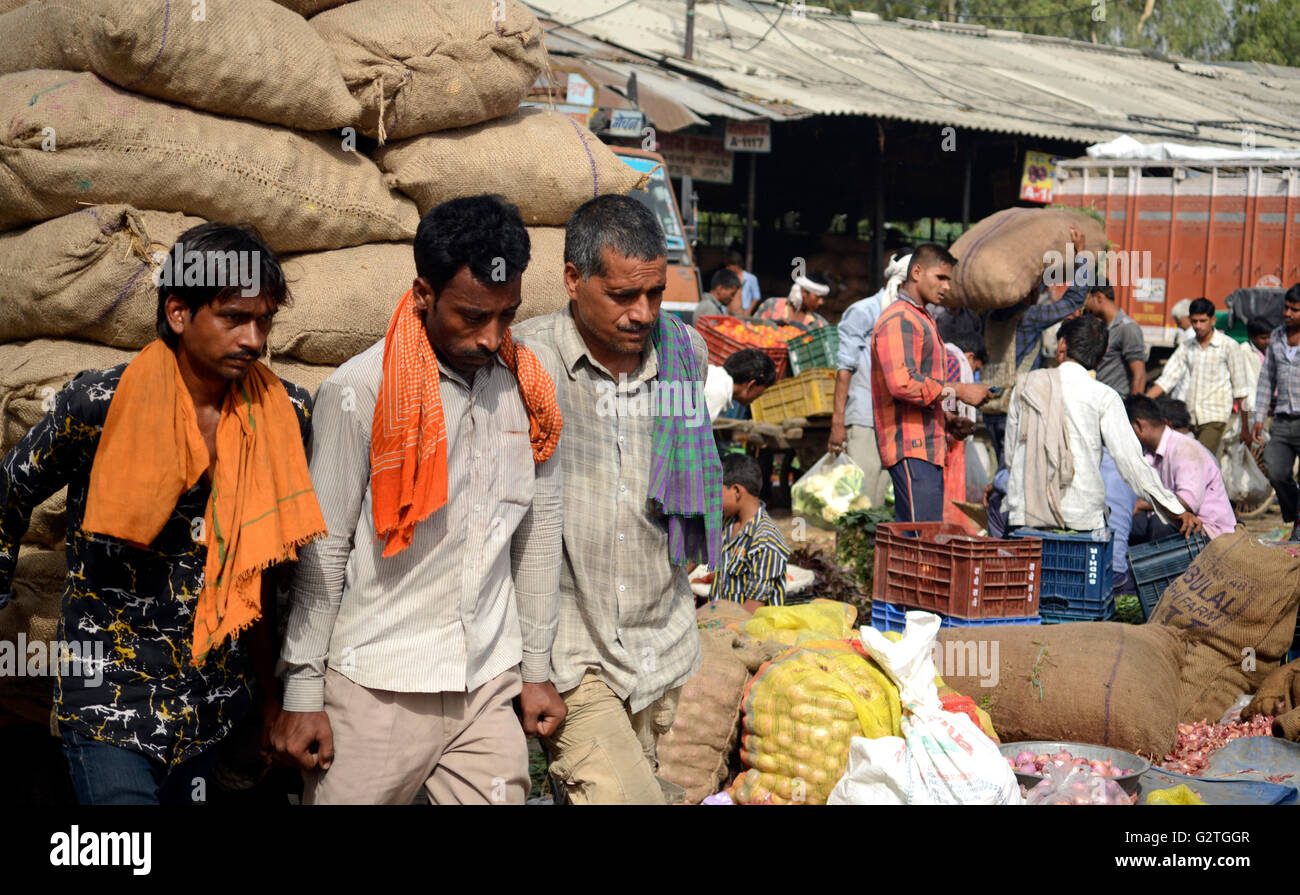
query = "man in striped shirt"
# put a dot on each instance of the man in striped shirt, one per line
(400, 670)
(753, 571)
(908, 385)
(1278, 396)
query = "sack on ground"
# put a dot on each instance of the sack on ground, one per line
(542, 161)
(1237, 602)
(800, 712)
(33, 612)
(302, 191)
(33, 373)
(310, 7)
(1004, 256)
(818, 619)
(943, 757)
(1104, 683)
(694, 752)
(86, 275)
(248, 58)
(428, 66)
(49, 523)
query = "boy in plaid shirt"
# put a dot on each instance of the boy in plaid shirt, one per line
(755, 554)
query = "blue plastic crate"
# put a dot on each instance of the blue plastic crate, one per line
(887, 617)
(1061, 617)
(1076, 574)
(1157, 564)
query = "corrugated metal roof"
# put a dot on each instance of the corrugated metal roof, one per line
(966, 76)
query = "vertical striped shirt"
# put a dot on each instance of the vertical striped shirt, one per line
(1215, 375)
(474, 594)
(908, 371)
(1279, 373)
(754, 568)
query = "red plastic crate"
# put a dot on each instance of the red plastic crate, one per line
(722, 346)
(938, 567)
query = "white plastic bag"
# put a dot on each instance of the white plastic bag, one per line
(831, 488)
(1242, 478)
(943, 758)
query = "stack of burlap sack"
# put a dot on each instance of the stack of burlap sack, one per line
(130, 121)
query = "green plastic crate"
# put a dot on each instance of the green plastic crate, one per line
(819, 348)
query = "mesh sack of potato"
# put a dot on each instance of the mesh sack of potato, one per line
(818, 619)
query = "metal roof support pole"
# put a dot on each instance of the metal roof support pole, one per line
(878, 204)
(749, 212)
(965, 191)
(690, 30)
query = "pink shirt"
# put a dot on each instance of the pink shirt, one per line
(1186, 468)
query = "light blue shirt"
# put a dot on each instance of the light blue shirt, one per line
(855, 355)
(749, 291)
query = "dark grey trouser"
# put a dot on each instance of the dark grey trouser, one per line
(1279, 459)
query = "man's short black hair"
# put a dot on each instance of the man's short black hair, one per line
(736, 258)
(1174, 412)
(223, 251)
(1140, 407)
(620, 223)
(724, 279)
(1260, 326)
(742, 470)
(928, 254)
(1292, 296)
(817, 277)
(1085, 340)
(1106, 290)
(971, 344)
(750, 365)
(1201, 306)
(484, 233)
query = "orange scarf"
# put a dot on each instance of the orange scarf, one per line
(262, 506)
(408, 438)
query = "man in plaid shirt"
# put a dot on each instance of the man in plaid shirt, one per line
(909, 382)
(1278, 396)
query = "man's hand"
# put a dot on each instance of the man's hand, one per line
(1076, 237)
(1255, 434)
(541, 708)
(988, 492)
(972, 393)
(839, 439)
(295, 733)
(270, 714)
(1189, 525)
(958, 426)
(1142, 506)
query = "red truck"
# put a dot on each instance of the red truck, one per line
(1190, 228)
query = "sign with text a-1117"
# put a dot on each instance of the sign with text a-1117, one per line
(1039, 175)
(749, 136)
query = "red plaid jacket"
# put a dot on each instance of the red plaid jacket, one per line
(908, 370)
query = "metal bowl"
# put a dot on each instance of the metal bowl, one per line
(1118, 757)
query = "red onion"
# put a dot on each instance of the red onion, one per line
(1197, 742)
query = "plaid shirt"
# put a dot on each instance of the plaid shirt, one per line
(1279, 373)
(625, 612)
(908, 371)
(1216, 374)
(754, 568)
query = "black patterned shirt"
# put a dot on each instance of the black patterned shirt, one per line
(132, 606)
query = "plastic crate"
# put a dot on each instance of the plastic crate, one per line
(722, 346)
(1076, 574)
(811, 393)
(1158, 563)
(819, 348)
(1053, 616)
(938, 567)
(885, 617)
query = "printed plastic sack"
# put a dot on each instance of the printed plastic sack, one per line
(1242, 478)
(818, 619)
(943, 758)
(1073, 785)
(800, 712)
(831, 488)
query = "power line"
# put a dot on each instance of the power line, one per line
(590, 17)
(1001, 18)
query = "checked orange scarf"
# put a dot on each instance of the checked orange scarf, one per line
(408, 438)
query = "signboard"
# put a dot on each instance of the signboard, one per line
(579, 92)
(625, 123)
(700, 158)
(749, 136)
(1039, 174)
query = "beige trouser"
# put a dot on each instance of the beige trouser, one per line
(604, 754)
(863, 450)
(464, 748)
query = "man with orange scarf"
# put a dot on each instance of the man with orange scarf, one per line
(431, 605)
(187, 480)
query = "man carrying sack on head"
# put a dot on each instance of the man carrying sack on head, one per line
(187, 480)
(642, 499)
(431, 605)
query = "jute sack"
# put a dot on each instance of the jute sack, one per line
(420, 65)
(34, 613)
(542, 161)
(1279, 696)
(49, 523)
(1003, 256)
(310, 7)
(694, 752)
(249, 58)
(32, 373)
(1104, 683)
(86, 275)
(344, 299)
(9, 5)
(300, 190)
(1237, 603)
(307, 376)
